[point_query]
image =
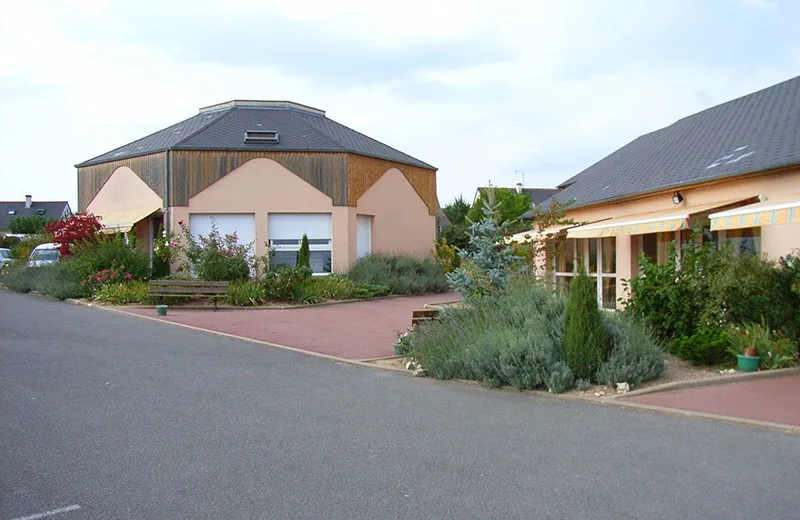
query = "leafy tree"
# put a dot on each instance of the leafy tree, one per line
(304, 255)
(457, 211)
(541, 246)
(512, 205)
(78, 228)
(32, 225)
(586, 342)
(485, 269)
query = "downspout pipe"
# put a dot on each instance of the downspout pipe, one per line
(167, 227)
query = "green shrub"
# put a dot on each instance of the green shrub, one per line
(560, 379)
(285, 283)
(218, 257)
(634, 356)
(707, 347)
(583, 384)
(512, 339)
(304, 255)
(401, 274)
(585, 337)
(108, 253)
(247, 293)
(335, 287)
(123, 293)
(446, 255)
(774, 349)
(30, 225)
(21, 251)
(52, 280)
(710, 289)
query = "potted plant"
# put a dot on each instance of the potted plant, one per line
(748, 342)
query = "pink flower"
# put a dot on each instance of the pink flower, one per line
(173, 244)
(128, 276)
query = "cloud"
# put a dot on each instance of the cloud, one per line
(481, 90)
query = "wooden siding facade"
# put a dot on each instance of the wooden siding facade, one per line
(150, 168)
(364, 171)
(344, 177)
(192, 171)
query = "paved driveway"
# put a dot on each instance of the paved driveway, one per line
(131, 418)
(358, 330)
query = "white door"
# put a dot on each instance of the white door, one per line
(363, 235)
(243, 224)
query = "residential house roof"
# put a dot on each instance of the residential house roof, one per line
(223, 127)
(11, 209)
(754, 133)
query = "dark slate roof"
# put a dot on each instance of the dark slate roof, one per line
(300, 129)
(754, 133)
(53, 209)
(537, 195)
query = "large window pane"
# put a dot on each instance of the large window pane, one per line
(321, 261)
(566, 257)
(745, 241)
(592, 255)
(609, 292)
(650, 246)
(609, 255)
(285, 258)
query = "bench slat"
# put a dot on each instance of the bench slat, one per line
(188, 290)
(187, 283)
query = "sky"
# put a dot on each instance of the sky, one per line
(484, 91)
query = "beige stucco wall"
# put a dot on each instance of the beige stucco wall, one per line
(123, 191)
(259, 186)
(401, 223)
(776, 241)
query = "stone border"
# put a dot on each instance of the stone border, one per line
(706, 381)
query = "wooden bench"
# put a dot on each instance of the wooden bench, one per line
(187, 289)
(422, 315)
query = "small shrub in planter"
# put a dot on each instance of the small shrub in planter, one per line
(585, 337)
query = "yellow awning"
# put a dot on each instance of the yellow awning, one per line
(643, 223)
(780, 210)
(123, 221)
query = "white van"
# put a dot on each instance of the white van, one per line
(44, 254)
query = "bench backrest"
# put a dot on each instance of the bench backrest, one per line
(187, 287)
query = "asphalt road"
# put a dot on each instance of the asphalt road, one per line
(132, 419)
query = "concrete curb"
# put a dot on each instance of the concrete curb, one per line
(766, 425)
(707, 381)
(243, 338)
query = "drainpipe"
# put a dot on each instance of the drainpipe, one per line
(166, 192)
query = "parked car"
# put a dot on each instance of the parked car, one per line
(5, 257)
(44, 254)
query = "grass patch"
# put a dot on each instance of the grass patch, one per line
(401, 274)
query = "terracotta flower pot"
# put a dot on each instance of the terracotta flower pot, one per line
(750, 352)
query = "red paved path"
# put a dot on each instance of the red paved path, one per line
(360, 330)
(774, 400)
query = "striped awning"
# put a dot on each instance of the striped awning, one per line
(643, 223)
(123, 221)
(533, 235)
(780, 210)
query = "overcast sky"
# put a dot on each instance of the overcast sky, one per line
(479, 89)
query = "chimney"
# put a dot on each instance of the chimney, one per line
(519, 187)
(28, 201)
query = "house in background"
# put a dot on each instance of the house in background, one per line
(733, 170)
(270, 171)
(55, 210)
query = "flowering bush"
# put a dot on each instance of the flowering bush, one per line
(217, 256)
(81, 227)
(113, 274)
(103, 257)
(166, 246)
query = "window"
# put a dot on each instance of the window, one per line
(261, 136)
(600, 255)
(744, 241)
(286, 232)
